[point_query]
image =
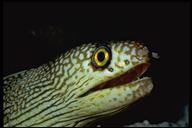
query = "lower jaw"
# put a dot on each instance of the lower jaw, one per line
(144, 83)
(117, 97)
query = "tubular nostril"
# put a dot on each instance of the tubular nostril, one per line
(155, 55)
(145, 51)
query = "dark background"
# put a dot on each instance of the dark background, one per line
(34, 33)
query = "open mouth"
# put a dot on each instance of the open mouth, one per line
(130, 76)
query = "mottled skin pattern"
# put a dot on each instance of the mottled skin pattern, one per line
(52, 94)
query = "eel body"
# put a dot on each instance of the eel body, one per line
(84, 84)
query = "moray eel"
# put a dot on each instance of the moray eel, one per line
(84, 84)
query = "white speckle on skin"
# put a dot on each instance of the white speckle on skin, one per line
(88, 54)
(52, 70)
(133, 52)
(131, 44)
(76, 53)
(126, 49)
(74, 61)
(57, 68)
(119, 47)
(140, 52)
(124, 57)
(77, 65)
(84, 49)
(66, 61)
(85, 64)
(61, 61)
(121, 63)
(126, 42)
(60, 70)
(71, 71)
(134, 59)
(5, 82)
(81, 56)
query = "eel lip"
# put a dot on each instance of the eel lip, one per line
(130, 76)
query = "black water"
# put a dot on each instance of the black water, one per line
(34, 33)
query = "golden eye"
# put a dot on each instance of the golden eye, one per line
(101, 57)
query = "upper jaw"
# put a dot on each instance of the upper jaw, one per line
(127, 78)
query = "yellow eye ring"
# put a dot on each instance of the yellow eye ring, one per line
(101, 57)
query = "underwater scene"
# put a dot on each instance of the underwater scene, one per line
(96, 64)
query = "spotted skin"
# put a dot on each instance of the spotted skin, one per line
(53, 94)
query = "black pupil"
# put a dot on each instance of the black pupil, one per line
(101, 56)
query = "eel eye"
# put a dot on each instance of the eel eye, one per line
(101, 57)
